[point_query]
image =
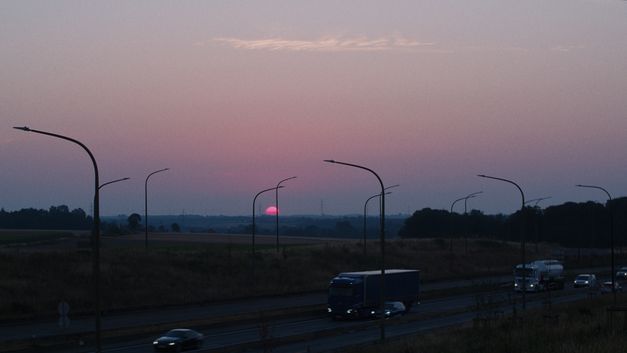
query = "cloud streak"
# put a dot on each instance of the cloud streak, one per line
(327, 44)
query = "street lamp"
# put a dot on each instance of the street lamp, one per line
(537, 200)
(146, 203)
(276, 204)
(465, 198)
(365, 209)
(536, 221)
(382, 240)
(112, 181)
(522, 237)
(255, 200)
(609, 208)
(96, 229)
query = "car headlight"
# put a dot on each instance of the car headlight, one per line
(531, 285)
(586, 282)
(171, 344)
(349, 311)
(155, 342)
(329, 310)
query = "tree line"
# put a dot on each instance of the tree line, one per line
(56, 217)
(61, 217)
(584, 224)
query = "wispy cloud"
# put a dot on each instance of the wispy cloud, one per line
(327, 44)
(566, 48)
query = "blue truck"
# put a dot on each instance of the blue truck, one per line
(358, 294)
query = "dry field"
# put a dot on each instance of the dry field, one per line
(199, 268)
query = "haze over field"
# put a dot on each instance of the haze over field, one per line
(235, 96)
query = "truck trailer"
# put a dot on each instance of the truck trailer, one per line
(358, 294)
(539, 275)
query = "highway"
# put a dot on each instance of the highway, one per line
(318, 333)
(308, 328)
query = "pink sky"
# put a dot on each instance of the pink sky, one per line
(234, 97)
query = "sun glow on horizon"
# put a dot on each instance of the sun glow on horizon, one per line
(271, 211)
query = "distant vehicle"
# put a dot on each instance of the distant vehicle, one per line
(539, 275)
(358, 294)
(622, 273)
(586, 280)
(178, 340)
(390, 309)
(606, 287)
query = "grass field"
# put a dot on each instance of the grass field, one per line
(9, 237)
(581, 327)
(33, 282)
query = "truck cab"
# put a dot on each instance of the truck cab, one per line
(346, 297)
(539, 275)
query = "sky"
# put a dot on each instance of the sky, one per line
(234, 96)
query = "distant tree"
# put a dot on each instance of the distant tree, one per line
(175, 227)
(133, 222)
(161, 228)
(344, 228)
(111, 228)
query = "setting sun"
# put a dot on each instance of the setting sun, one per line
(272, 211)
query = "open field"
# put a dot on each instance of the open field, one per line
(187, 269)
(31, 237)
(579, 327)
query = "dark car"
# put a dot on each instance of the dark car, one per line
(585, 280)
(178, 340)
(391, 309)
(606, 287)
(622, 273)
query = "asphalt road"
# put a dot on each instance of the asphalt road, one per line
(221, 336)
(319, 333)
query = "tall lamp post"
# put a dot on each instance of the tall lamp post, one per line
(536, 201)
(465, 198)
(365, 211)
(382, 240)
(146, 203)
(276, 203)
(536, 222)
(609, 208)
(522, 237)
(112, 181)
(366, 206)
(96, 229)
(255, 200)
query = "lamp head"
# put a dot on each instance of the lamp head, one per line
(329, 160)
(23, 128)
